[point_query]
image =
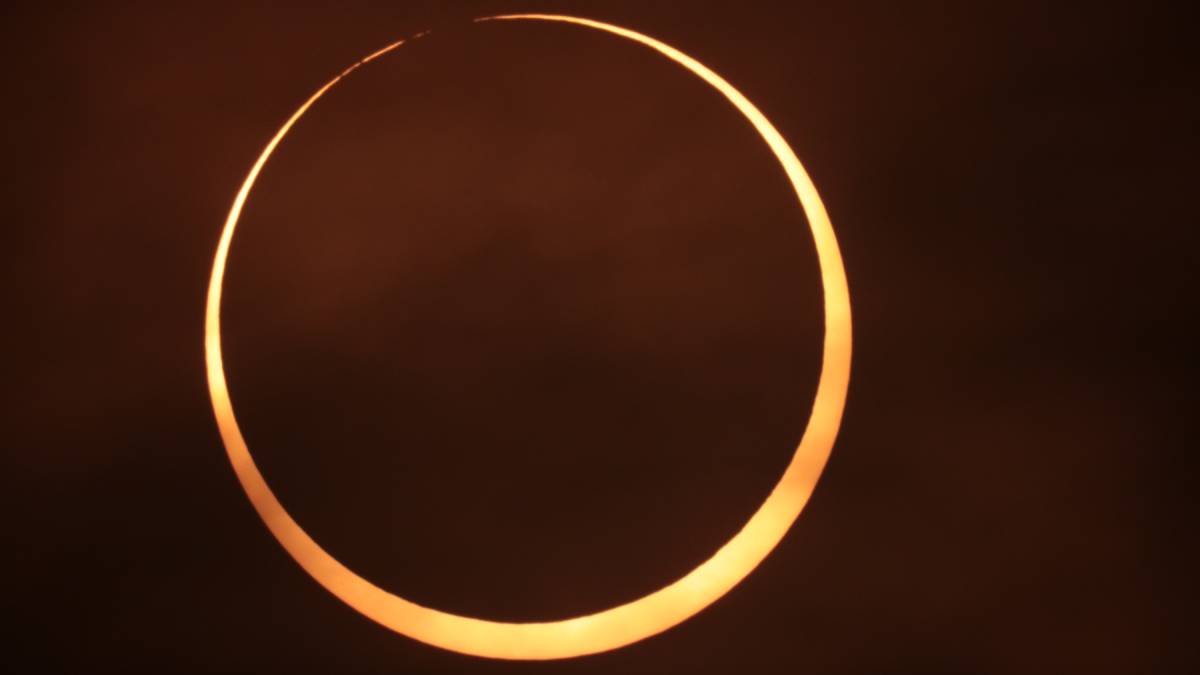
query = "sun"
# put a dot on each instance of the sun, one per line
(632, 621)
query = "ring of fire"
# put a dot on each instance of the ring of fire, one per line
(624, 624)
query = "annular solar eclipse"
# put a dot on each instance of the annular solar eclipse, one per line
(620, 625)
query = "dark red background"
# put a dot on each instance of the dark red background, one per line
(522, 321)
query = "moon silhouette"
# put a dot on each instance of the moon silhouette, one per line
(623, 624)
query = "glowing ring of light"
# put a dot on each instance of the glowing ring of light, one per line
(633, 621)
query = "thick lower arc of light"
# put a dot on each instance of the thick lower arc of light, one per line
(627, 623)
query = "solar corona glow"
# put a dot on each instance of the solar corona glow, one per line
(617, 626)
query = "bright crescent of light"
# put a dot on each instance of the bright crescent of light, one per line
(624, 624)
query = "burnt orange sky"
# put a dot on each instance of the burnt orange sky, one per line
(564, 302)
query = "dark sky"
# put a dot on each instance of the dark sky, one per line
(523, 321)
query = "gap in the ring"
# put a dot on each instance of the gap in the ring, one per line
(522, 321)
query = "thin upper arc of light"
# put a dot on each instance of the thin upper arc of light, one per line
(623, 624)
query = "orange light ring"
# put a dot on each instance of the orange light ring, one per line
(624, 624)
